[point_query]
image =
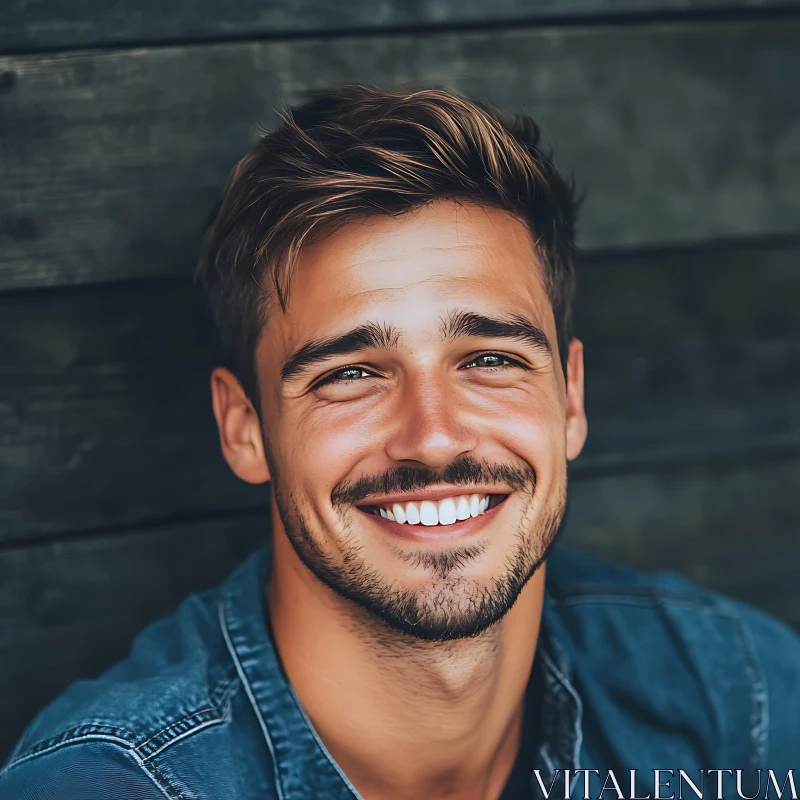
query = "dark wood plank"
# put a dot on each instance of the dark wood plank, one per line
(679, 132)
(71, 610)
(731, 528)
(690, 353)
(105, 414)
(49, 24)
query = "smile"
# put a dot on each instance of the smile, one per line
(446, 511)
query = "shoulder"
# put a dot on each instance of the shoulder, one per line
(97, 770)
(121, 728)
(176, 666)
(656, 653)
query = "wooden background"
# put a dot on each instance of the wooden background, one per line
(118, 125)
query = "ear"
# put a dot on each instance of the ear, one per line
(239, 428)
(577, 426)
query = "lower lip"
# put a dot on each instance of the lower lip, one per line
(437, 533)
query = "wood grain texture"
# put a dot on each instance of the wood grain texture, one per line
(111, 161)
(106, 421)
(49, 24)
(720, 526)
(105, 416)
(690, 353)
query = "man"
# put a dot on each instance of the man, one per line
(392, 275)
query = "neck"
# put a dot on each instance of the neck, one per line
(404, 718)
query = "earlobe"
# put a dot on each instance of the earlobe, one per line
(576, 423)
(239, 428)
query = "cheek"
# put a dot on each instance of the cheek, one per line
(539, 444)
(328, 442)
(534, 430)
(325, 445)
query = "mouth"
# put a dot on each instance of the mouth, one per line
(456, 515)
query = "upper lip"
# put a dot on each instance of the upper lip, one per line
(432, 494)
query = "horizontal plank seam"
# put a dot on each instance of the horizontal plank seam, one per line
(143, 527)
(712, 245)
(630, 466)
(599, 20)
(600, 466)
(586, 256)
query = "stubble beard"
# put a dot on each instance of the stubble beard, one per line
(451, 606)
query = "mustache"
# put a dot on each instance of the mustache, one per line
(462, 471)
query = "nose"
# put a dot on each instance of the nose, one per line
(430, 426)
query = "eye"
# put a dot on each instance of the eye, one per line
(353, 373)
(494, 359)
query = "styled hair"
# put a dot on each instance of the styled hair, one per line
(356, 150)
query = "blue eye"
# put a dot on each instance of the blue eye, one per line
(497, 357)
(344, 371)
(355, 372)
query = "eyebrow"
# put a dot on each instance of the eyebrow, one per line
(382, 336)
(375, 335)
(513, 327)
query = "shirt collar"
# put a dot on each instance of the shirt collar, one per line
(303, 766)
(561, 722)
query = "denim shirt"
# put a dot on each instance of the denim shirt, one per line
(639, 671)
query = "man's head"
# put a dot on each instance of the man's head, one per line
(392, 278)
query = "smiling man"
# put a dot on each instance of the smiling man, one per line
(392, 276)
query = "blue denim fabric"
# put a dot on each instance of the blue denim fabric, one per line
(639, 670)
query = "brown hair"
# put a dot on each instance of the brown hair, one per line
(356, 150)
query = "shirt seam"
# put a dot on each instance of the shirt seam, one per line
(223, 623)
(759, 693)
(560, 672)
(321, 747)
(159, 780)
(700, 601)
(177, 729)
(639, 597)
(79, 733)
(213, 714)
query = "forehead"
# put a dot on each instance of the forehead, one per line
(413, 267)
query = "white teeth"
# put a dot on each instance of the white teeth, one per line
(474, 505)
(446, 511)
(443, 512)
(427, 513)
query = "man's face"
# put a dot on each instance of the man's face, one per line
(446, 402)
